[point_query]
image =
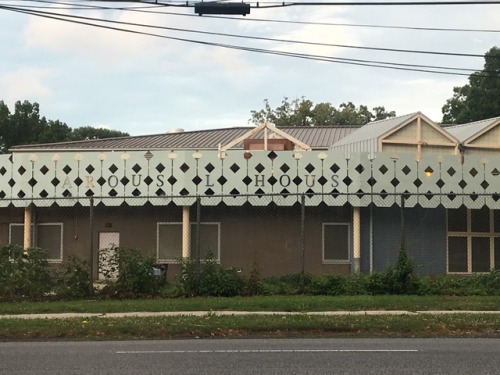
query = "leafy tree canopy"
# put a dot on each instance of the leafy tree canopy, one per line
(480, 98)
(25, 126)
(303, 112)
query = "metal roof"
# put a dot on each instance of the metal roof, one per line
(365, 139)
(321, 137)
(467, 132)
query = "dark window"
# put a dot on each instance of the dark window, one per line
(336, 242)
(480, 254)
(496, 221)
(457, 254)
(480, 220)
(457, 220)
(497, 253)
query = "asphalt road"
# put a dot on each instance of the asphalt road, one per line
(254, 356)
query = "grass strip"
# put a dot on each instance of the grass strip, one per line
(295, 303)
(210, 325)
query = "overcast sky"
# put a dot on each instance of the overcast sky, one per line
(89, 76)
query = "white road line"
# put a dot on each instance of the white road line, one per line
(266, 351)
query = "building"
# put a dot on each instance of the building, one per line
(318, 200)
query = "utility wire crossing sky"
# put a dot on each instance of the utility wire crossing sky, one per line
(140, 68)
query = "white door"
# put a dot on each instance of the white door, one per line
(107, 242)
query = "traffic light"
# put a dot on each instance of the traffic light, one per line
(221, 8)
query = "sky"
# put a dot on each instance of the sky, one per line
(141, 84)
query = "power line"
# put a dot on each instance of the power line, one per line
(385, 65)
(276, 40)
(379, 3)
(146, 9)
(281, 4)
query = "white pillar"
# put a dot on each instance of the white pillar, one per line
(186, 233)
(356, 232)
(27, 228)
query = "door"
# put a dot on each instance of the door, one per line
(108, 242)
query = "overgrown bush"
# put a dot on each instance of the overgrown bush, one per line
(128, 273)
(461, 285)
(253, 281)
(398, 279)
(327, 285)
(336, 285)
(208, 278)
(74, 279)
(24, 274)
(285, 284)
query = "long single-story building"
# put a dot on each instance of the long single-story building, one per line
(320, 200)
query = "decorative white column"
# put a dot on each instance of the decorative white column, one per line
(27, 227)
(186, 233)
(356, 229)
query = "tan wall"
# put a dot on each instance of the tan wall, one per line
(481, 152)
(9, 215)
(270, 235)
(412, 149)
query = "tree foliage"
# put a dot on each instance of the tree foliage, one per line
(480, 98)
(303, 112)
(26, 126)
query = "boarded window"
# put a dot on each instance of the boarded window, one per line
(170, 240)
(336, 242)
(47, 237)
(16, 234)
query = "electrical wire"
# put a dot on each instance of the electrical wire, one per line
(274, 39)
(147, 9)
(407, 67)
(379, 3)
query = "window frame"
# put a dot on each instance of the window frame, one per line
(469, 234)
(179, 223)
(34, 230)
(349, 243)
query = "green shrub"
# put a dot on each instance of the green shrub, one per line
(492, 283)
(327, 285)
(74, 275)
(208, 278)
(285, 284)
(253, 281)
(398, 279)
(128, 273)
(24, 275)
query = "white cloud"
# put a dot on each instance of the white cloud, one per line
(83, 75)
(102, 47)
(26, 84)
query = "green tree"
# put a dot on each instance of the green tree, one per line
(25, 126)
(303, 112)
(89, 132)
(480, 98)
(4, 126)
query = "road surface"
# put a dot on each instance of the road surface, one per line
(254, 356)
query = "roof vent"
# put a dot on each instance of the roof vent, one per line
(175, 130)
